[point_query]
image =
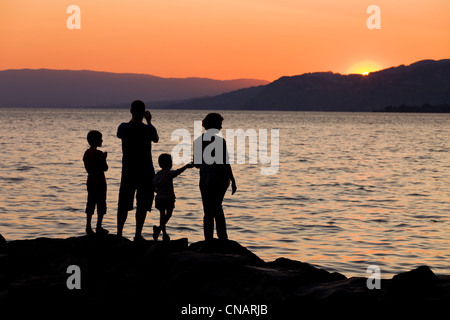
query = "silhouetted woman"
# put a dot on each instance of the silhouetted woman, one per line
(211, 156)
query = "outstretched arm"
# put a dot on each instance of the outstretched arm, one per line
(182, 169)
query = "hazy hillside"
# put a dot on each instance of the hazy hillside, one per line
(65, 88)
(425, 81)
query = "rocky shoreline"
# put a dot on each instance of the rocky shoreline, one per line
(177, 274)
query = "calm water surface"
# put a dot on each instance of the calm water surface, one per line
(353, 189)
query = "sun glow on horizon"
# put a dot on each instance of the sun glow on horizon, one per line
(364, 68)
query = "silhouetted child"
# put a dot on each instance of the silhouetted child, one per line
(165, 195)
(95, 164)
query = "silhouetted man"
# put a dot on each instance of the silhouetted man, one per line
(137, 167)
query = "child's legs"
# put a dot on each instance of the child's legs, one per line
(90, 205)
(166, 219)
(162, 217)
(165, 214)
(101, 211)
(165, 207)
(101, 203)
(169, 214)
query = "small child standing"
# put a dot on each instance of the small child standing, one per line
(95, 164)
(165, 194)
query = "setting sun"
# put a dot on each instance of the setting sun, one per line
(364, 67)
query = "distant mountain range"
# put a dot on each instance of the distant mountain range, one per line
(67, 88)
(423, 82)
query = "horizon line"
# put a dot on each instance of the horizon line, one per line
(216, 79)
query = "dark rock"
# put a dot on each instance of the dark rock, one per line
(225, 247)
(347, 288)
(421, 276)
(4, 269)
(415, 283)
(307, 271)
(206, 275)
(3, 244)
(118, 271)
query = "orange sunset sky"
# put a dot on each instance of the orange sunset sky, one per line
(222, 39)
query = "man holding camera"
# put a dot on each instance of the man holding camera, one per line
(137, 167)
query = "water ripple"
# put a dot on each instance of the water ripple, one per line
(352, 190)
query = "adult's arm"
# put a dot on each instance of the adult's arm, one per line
(231, 176)
(197, 157)
(153, 132)
(120, 130)
(228, 168)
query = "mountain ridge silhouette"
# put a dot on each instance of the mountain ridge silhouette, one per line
(86, 88)
(426, 81)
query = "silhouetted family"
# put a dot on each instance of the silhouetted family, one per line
(140, 181)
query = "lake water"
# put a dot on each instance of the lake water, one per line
(352, 190)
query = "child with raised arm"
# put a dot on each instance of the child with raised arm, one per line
(165, 195)
(95, 164)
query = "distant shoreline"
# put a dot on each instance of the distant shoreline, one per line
(425, 108)
(444, 108)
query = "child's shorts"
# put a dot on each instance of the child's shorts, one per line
(96, 196)
(164, 204)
